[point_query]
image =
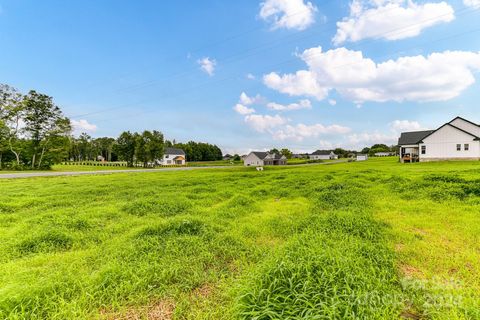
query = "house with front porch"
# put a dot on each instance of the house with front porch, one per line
(173, 156)
(454, 140)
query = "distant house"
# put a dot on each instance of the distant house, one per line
(258, 159)
(458, 139)
(243, 157)
(362, 157)
(383, 154)
(300, 156)
(227, 157)
(323, 155)
(173, 156)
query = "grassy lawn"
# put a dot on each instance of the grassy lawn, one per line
(368, 240)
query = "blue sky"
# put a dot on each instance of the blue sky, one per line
(249, 74)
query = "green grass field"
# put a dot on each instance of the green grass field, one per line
(366, 240)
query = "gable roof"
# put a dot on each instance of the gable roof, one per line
(322, 153)
(175, 151)
(451, 125)
(413, 137)
(274, 156)
(416, 137)
(260, 155)
(465, 121)
(267, 155)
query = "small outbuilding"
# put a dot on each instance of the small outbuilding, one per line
(362, 157)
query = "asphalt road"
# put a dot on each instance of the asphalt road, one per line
(80, 173)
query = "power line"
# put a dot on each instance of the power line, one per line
(229, 59)
(402, 29)
(333, 67)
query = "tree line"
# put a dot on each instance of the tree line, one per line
(35, 134)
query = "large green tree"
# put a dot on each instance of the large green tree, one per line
(44, 123)
(12, 112)
(3, 141)
(125, 147)
(286, 152)
(155, 145)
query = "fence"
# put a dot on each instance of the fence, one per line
(113, 164)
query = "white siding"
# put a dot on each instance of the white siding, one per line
(467, 126)
(168, 159)
(442, 144)
(252, 160)
(319, 157)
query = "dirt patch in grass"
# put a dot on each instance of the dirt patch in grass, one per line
(204, 291)
(162, 310)
(410, 271)
(409, 315)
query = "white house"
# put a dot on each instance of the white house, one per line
(455, 140)
(258, 159)
(323, 155)
(362, 157)
(173, 156)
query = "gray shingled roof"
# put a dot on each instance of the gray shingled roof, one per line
(321, 152)
(260, 155)
(413, 137)
(174, 151)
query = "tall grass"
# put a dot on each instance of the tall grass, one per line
(371, 240)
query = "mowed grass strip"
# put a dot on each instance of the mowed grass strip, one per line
(370, 240)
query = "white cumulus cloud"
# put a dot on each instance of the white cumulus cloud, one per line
(83, 125)
(391, 19)
(436, 77)
(264, 123)
(302, 131)
(207, 65)
(301, 83)
(289, 14)
(302, 104)
(243, 110)
(370, 138)
(405, 125)
(472, 3)
(332, 102)
(246, 100)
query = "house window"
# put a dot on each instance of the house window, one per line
(424, 149)
(459, 147)
(466, 146)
